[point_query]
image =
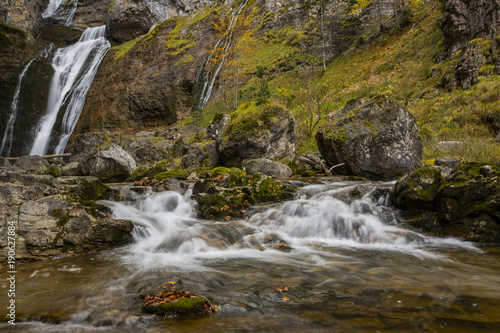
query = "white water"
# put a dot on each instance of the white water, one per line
(66, 12)
(75, 67)
(207, 74)
(168, 235)
(6, 146)
(51, 8)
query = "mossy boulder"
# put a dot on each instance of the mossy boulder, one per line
(417, 190)
(376, 139)
(472, 189)
(108, 163)
(227, 200)
(265, 131)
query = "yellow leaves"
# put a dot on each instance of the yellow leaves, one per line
(286, 298)
(282, 289)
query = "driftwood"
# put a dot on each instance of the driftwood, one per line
(44, 156)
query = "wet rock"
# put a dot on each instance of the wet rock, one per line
(31, 164)
(267, 167)
(418, 189)
(108, 163)
(377, 139)
(262, 132)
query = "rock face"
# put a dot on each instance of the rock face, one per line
(56, 216)
(267, 167)
(154, 86)
(376, 140)
(465, 204)
(25, 15)
(470, 28)
(92, 13)
(109, 162)
(254, 132)
(129, 19)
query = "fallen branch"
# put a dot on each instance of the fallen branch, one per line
(335, 166)
(43, 156)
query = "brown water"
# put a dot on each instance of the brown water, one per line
(408, 283)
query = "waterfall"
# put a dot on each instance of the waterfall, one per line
(207, 74)
(64, 13)
(51, 8)
(75, 67)
(6, 146)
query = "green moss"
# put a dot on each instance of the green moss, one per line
(184, 307)
(177, 174)
(94, 189)
(53, 171)
(221, 171)
(122, 50)
(61, 214)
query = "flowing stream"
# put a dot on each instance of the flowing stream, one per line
(75, 67)
(216, 59)
(8, 136)
(64, 11)
(347, 264)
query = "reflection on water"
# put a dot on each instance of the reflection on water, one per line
(345, 263)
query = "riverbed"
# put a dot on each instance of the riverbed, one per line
(320, 263)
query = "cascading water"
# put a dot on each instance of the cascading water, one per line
(216, 59)
(168, 234)
(6, 146)
(75, 67)
(51, 8)
(322, 261)
(65, 12)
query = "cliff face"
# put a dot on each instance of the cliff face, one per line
(25, 15)
(149, 81)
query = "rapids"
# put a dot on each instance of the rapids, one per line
(348, 264)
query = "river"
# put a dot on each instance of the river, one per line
(320, 263)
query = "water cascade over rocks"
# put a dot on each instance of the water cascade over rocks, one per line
(167, 233)
(75, 67)
(215, 60)
(6, 145)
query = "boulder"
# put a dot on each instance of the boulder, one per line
(472, 189)
(257, 132)
(32, 164)
(267, 167)
(376, 139)
(418, 189)
(108, 163)
(447, 162)
(4, 163)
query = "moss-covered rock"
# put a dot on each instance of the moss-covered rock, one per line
(232, 199)
(417, 190)
(473, 189)
(377, 139)
(184, 307)
(253, 131)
